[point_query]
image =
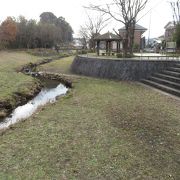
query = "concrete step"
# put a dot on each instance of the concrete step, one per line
(165, 82)
(177, 65)
(174, 69)
(167, 77)
(164, 88)
(172, 73)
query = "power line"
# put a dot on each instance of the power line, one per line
(159, 2)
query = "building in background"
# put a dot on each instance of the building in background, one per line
(139, 40)
(170, 29)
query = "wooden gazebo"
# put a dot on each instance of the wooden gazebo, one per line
(108, 38)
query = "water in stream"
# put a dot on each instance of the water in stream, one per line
(47, 95)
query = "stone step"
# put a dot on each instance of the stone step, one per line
(172, 73)
(174, 69)
(167, 77)
(165, 82)
(177, 65)
(164, 88)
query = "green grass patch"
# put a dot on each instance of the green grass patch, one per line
(101, 130)
(61, 65)
(11, 61)
(12, 82)
(51, 53)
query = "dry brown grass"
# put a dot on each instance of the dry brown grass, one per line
(101, 130)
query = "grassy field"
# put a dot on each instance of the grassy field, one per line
(101, 130)
(10, 80)
(61, 65)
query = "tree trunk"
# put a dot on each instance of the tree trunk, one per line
(131, 43)
(126, 42)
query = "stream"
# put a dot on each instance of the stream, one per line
(48, 94)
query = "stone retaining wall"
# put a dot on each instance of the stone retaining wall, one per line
(127, 69)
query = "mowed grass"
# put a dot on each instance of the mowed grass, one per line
(11, 60)
(59, 66)
(10, 80)
(100, 130)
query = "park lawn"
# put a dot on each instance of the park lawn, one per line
(11, 81)
(101, 129)
(12, 60)
(58, 66)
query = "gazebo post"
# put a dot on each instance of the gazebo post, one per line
(98, 42)
(118, 46)
(107, 47)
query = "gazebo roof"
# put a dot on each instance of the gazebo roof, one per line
(107, 36)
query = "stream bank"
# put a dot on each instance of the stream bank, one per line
(32, 70)
(48, 94)
(21, 98)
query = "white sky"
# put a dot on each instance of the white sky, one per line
(74, 13)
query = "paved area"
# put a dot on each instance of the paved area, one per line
(149, 54)
(141, 56)
(154, 56)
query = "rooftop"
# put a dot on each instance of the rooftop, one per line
(137, 27)
(108, 36)
(169, 25)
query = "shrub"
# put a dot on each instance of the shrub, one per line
(128, 55)
(119, 55)
(82, 52)
(136, 47)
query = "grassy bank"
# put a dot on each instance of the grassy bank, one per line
(101, 130)
(58, 66)
(12, 82)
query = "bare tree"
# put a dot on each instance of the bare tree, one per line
(176, 11)
(176, 17)
(92, 28)
(126, 12)
(83, 33)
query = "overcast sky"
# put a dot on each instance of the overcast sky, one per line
(74, 13)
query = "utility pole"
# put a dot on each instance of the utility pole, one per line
(149, 28)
